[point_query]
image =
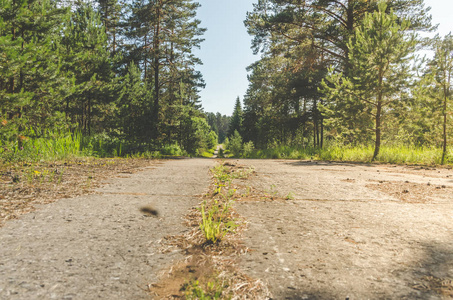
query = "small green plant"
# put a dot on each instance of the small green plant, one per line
(31, 175)
(248, 191)
(272, 191)
(221, 154)
(221, 174)
(194, 290)
(218, 188)
(42, 176)
(52, 176)
(290, 196)
(215, 222)
(243, 173)
(16, 178)
(89, 180)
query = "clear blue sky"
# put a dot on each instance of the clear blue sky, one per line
(225, 53)
(226, 50)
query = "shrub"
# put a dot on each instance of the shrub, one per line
(212, 140)
(248, 149)
(235, 144)
(221, 154)
(226, 143)
(172, 150)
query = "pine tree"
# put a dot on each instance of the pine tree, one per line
(134, 113)
(299, 42)
(441, 69)
(87, 63)
(164, 34)
(379, 55)
(236, 119)
(111, 15)
(30, 81)
(326, 25)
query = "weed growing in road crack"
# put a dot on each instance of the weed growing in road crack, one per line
(213, 246)
(216, 217)
(216, 221)
(212, 291)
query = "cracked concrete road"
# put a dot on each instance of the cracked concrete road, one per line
(347, 231)
(101, 246)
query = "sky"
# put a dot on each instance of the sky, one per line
(441, 10)
(225, 53)
(226, 50)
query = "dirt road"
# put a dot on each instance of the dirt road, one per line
(345, 231)
(100, 246)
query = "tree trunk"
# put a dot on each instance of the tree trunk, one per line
(322, 130)
(89, 115)
(315, 128)
(444, 112)
(377, 144)
(156, 50)
(350, 30)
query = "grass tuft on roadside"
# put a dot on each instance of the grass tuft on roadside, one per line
(388, 154)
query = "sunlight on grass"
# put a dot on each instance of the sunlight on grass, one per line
(394, 154)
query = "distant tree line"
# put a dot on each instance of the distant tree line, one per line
(220, 124)
(123, 69)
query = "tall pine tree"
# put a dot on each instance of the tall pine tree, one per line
(30, 80)
(379, 55)
(164, 34)
(236, 119)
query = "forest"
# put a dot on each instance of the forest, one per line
(346, 75)
(115, 78)
(106, 77)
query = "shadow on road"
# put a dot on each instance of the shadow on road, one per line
(433, 274)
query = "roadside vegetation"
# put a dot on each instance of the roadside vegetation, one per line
(342, 80)
(213, 245)
(79, 78)
(427, 155)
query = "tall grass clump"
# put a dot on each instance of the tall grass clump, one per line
(216, 220)
(401, 154)
(411, 155)
(49, 145)
(103, 145)
(359, 153)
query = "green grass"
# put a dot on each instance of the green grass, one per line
(216, 222)
(216, 216)
(62, 145)
(54, 146)
(213, 290)
(206, 153)
(393, 154)
(65, 145)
